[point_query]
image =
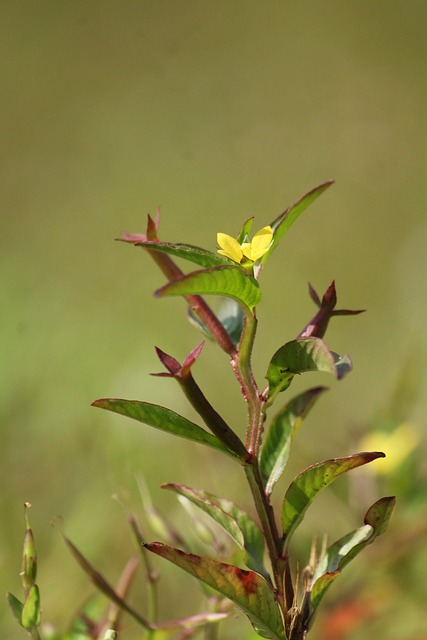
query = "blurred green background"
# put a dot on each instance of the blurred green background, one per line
(215, 111)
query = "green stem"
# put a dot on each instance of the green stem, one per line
(243, 371)
(212, 630)
(255, 402)
(152, 575)
(268, 524)
(210, 416)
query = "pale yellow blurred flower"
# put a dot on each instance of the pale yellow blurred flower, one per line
(397, 445)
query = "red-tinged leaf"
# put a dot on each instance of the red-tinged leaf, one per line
(311, 481)
(240, 527)
(302, 355)
(283, 223)
(339, 554)
(169, 362)
(163, 419)
(318, 325)
(103, 585)
(150, 235)
(230, 281)
(175, 369)
(246, 589)
(281, 433)
(197, 255)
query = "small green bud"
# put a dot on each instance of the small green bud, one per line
(110, 635)
(29, 556)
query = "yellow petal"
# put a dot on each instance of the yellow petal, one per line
(260, 244)
(230, 248)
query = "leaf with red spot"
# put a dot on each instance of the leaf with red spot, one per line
(247, 589)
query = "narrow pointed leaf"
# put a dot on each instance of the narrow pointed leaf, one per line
(245, 230)
(283, 223)
(300, 356)
(16, 607)
(284, 427)
(103, 585)
(311, 481)
(246, 589)
(348, 547)
(31, 609)
(197, 255)
(228, 281)
(240, 527)
(163, 419)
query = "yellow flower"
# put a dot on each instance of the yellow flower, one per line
(397, 446)
(253, 251)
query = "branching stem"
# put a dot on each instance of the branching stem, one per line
(197, 303)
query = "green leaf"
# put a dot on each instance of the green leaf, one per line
(300, 356)
(232, 318)
(163, 419)
(283, 223)
(319, 590)
(31, 610)
(308, 483)
(282, 431)
(247, 589)
(202, 257)
(228, 280)
(240, 527)
(348, 547)
(16, 606)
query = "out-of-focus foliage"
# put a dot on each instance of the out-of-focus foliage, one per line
(215, 111)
